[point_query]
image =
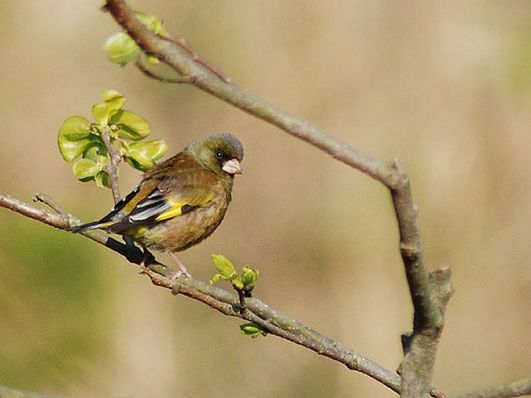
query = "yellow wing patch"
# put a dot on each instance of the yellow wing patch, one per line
(177, 206)
(176, 210)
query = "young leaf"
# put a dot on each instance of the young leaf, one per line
(130, 125)
(142, 155)
(121, 49)
(104, 111)
(101, 113)
(138, 161)
(102, 179)
(224, 266)
(96, 153)
(85, 169)
(109, 95)
(74, 137)
(71, 150)
(74, 128)
(153, 150)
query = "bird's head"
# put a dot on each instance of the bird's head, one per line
(222, 153)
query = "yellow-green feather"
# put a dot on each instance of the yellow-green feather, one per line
(199, 198)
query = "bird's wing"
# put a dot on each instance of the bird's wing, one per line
(160, 206)
(166, 193)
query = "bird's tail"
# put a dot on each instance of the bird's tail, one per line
(90, 226)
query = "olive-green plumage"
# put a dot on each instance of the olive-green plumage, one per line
(181, 201)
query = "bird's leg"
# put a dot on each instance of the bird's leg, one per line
(182, 268)
(147, 257)
(132, 253)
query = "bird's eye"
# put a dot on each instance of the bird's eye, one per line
(219, 155)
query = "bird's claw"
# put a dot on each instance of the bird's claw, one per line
(176, 274)
(182, 269)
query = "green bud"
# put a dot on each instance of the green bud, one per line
(151, 59)
(249, 276)
(153, 23)
(237, 283)
(121, 49)
(216, 278)
(252, 330)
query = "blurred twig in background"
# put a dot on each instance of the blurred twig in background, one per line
(514, 389)
(6, 392)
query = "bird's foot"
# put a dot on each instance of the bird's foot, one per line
(147, 260)
(182, 268)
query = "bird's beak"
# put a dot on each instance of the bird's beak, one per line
(232, 167)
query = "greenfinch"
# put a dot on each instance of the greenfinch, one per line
(180, 201)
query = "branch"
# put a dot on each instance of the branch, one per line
(421, 348)
(184, 45)
(417, 366)
(514, 389)
(149, 73)
(112, 169)
(256, 311)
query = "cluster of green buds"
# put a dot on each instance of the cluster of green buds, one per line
(243, 282)
(83, 142)
(122, 49)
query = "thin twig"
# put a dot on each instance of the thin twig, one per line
(275, 322)
(181, 42)
(42, 215)
(513, 389)
(112, 168)
(48, 201)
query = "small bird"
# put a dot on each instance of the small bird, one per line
(180, 201)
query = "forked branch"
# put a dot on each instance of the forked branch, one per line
(515, 389)
(418, 364)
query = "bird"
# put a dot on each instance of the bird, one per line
(179, 202)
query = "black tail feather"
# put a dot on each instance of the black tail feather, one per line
(87, 227)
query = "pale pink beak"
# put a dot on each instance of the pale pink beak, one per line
(232, 167)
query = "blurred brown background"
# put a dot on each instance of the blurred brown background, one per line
(443, 86)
